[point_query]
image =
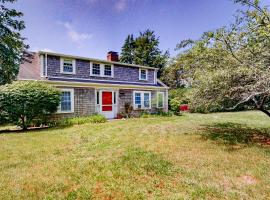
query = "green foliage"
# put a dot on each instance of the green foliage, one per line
(159, 113)
(96, 118)
(26, 101)
(144, 50)
(12, 45)
(127, 55)
(229, 67)
(177, 97)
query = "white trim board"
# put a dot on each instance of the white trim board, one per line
(93, 59)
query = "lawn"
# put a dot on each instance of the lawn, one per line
(195, 156)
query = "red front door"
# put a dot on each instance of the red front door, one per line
(107, 101)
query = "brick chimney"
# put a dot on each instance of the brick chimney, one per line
(112, 56)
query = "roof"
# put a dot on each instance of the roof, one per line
(159, 84)
(30, 69)
(94, 59)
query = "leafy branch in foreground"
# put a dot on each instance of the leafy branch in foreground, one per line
(12, 47)
(231, 65)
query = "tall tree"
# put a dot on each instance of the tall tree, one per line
(144, 50)
(127, 55)
(230, 66)
(12, 47)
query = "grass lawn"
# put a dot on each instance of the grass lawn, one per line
(195, 156)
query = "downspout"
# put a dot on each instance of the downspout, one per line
(46, 65)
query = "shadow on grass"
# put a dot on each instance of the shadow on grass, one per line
(233, 133)
(30, 129)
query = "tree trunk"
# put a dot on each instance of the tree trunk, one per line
(265, 112)
(24, 126)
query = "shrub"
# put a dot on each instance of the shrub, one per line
(3, 118)
(96, 118)
(157, 114)
(177, 97)
(26, 102)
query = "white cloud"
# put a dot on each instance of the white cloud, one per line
(75, 36)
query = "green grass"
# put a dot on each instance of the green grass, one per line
(195, 156)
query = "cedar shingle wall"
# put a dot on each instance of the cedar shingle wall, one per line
(121, 73)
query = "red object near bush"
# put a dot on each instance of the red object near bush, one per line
(184, 107)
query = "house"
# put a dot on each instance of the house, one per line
(97, 86)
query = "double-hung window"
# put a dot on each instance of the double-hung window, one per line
(142, 100)
(143, 73)
(160, 99)
(95, 69)
(67, 101)
(103, 70)
(108, 70)
(67, 66)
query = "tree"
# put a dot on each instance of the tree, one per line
(230, 66)
(24, 101)
(12, 47)
(127, 55)
(144, 50)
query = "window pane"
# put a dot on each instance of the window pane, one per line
(66, 101)
(146, 102)
(107, 70)
(67, 66)
(160, 100)
(138, 100)
(143, 74)
(96, 69)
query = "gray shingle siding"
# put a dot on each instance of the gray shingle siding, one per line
(121, 73)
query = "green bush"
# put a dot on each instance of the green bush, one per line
(157, 114)
(177, 97)
(3, 118)
(26, 102)
(96, 118)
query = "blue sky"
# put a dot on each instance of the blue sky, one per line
(91, 28)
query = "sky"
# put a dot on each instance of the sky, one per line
(91, 28)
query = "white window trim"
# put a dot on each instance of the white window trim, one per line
(142, 100)
(72, 101)
(140, 78)
(163, 99)
(102, 69)
(62, 66)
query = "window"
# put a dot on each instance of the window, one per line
(143, 74)
(102, 70)
(67, 66)
(67, 101)
(138, 100)
(96, 69)
(160, 99)
(97, 97)
(107, 70)
(146, 100)
(142, 100)
(114, 98)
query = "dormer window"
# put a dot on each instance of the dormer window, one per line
(108, 70)
(99, 69)
(143, 74)
(95, 69)
(67, 66)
